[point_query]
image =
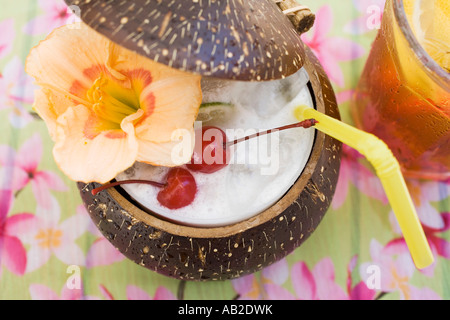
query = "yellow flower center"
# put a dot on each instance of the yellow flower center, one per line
(49, 238)
(112, 101)
(401, 283)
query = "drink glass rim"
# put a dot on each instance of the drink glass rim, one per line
(431, 66)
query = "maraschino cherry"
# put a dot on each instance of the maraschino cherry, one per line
(213, 154)
(178, 191)
(180, 187)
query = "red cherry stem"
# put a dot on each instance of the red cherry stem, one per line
(118, 183)
(303, 124)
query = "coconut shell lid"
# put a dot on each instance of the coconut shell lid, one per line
(249, 40)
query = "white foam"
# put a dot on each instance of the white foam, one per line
(243, 188)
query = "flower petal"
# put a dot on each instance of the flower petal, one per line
(243, 285)
(163, 293)
(362, 292)
(343, 49)
(430, 217)
(7, 38)
(434, 191)
(303, 282)
(48, 216)
(19, 117)
(277, 292)
(362, 5)
(74, 226)
(324, 275)
(165, 153)
(6, 200)
(46, 109)
(102, 253)
(331, 66)
(105, 292)
(13, 178)
(20, 87)
(51, 6)
(177, 99)
(423, 294)
(323, 24)
(7, 155)
(36, 257)
(19, 224)
(70, 254)
(277, 273)
(42, 292)
(40, 25)
(57, 64)
(51, 180)
(341, 192)
(367, 182)
(13, 254)
(99, 159)
(442, 246)
(71, 293)
(41, 193)
(136, 293)
(30, 154)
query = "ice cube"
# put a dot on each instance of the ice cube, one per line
(266, 98)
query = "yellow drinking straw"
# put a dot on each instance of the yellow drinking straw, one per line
(388, 171)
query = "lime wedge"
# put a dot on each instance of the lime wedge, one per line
(214, 111)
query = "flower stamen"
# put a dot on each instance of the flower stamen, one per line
(112, 102)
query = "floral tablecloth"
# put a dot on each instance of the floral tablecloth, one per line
(49, 248)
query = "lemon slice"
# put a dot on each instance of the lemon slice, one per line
(214, 111)
(430, 22)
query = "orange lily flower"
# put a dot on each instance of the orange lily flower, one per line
(106, 107)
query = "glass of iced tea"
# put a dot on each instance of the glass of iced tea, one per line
(403, 96)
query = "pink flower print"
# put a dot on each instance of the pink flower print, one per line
(101, 252)
(251, 287)
(136, 293)
(7, 38)
(105, 292)
(344, 96)
(318, 284)
(331, 50)
(439, 245)
(16, 89)
(13, 255)
(52, 237)
(247, 288)
(360, 291)
(395, 273)
(56, 14)
(423, 195)
(42, 292)
(353, 171)
(371, 15)
(26, 162)
(161, 293)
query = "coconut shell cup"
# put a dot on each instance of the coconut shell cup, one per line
(220, 253)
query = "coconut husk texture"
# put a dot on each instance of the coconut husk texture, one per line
(249, 40)
(200, 254)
